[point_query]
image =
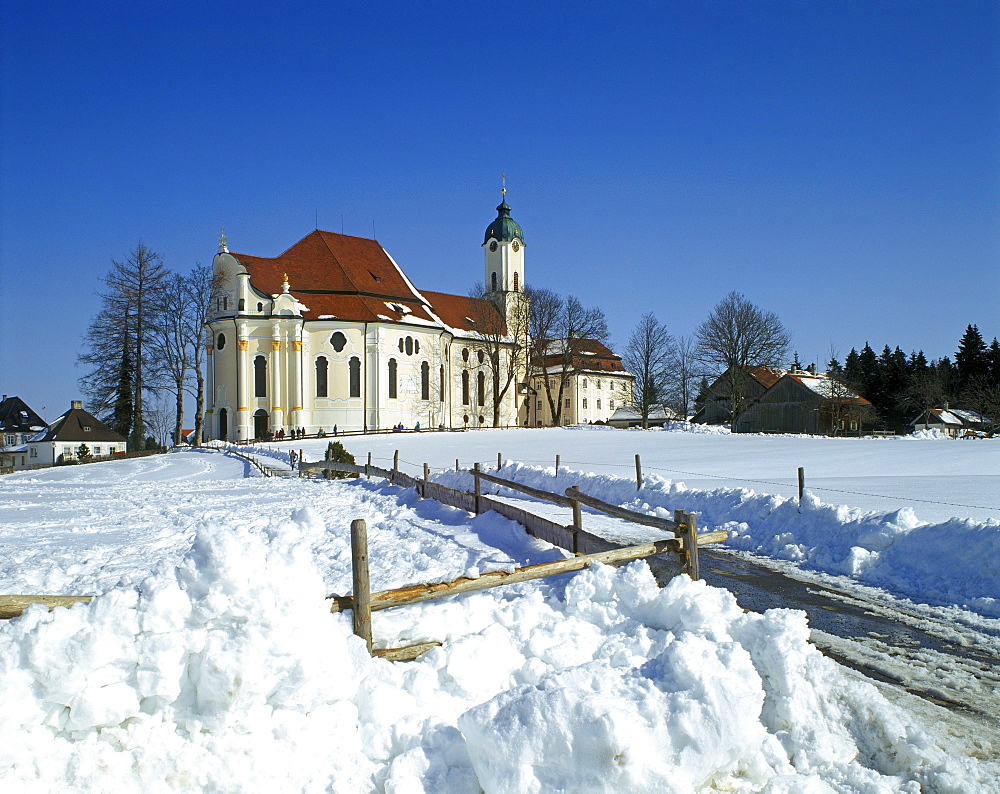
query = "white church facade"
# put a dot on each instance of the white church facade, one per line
(332, 334)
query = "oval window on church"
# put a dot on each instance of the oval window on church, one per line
(221, 341)
(409, 345)
(339, 341)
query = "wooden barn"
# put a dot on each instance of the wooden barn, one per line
(804, 402)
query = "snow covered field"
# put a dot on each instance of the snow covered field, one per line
(211, 663)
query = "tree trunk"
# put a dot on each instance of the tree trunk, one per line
(179, 414)
(199, 408)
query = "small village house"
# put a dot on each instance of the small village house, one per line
(954, 422)
(18, 424)
(65, 437)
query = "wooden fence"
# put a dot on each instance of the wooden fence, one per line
(586, 547)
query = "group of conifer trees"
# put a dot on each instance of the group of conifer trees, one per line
(902, 386)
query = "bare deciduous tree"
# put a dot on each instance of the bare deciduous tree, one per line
(558, 329)
(503, 343)
(649, 356)
(685, 373)
(737, 336)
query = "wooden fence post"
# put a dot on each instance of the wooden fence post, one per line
(362, 582)
(395, 465)
(557, 465)
(638, 473)
(368, 466)
(679, 532)
(499, 461)
(691, 543)
(427, 474)
(300, 464)
(577, 516)
(802, 485)
(479, 487)
(456, 464)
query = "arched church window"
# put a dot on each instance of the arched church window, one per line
(322, 368)
(220, 342)
(515, 283)
(465, 354)
(260, 308)
(339, 341)
(260, 377)
(416, 346)
(481, 388)
(493, 281)
(409, 345)
(354, 376)
(441, 395)
(400, 344)
(465, 387)
(392, 379)
(243, 304)
(481, 356)
(425, 381)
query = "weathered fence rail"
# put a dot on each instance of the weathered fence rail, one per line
(572, 537)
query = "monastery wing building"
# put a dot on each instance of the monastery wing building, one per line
(332, 334)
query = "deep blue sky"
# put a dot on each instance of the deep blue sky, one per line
(837, 162)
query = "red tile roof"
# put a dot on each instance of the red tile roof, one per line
(590, 355)
(354, 279)
(766, 376)
(465, 313)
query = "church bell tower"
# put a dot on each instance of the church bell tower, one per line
(504, 259)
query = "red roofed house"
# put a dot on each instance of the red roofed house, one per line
(331, 333)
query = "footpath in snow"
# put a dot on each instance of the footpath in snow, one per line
(209, 661)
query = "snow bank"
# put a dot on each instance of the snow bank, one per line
(227, 673)
(949, 563)
(930, 432)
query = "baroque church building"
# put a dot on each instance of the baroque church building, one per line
(331, 334)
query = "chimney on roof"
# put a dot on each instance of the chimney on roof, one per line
(76, 404)
(812, 368)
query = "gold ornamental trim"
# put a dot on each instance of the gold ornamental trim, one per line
(276, 408)
(242, 408)
(243, 344)
(297, 346)
(275, 344)
(297, 408)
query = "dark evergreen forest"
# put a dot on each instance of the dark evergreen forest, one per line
(901, 386)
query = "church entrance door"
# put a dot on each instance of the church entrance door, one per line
(260, 423)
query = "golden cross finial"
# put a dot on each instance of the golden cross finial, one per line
(503, 184)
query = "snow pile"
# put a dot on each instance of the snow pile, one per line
(677, 426)
(227, 673)
(949, 563)
(930, 432)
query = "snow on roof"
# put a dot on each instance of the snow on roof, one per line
(825, 386)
